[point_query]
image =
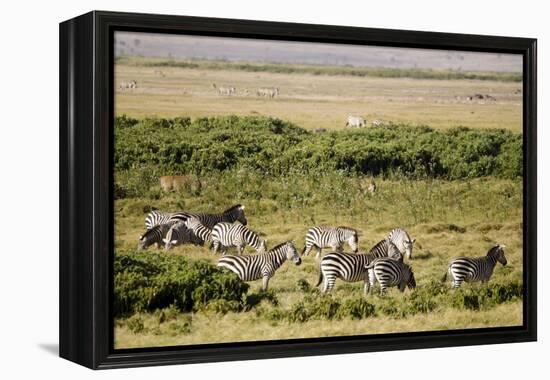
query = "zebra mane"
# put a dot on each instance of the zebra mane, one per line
(494, 250)
(232, 208)
(399, 231)
(280, 246)
(347, 228)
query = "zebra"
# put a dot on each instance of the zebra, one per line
(355, 122)
(353, 267)
(384, 248)
(128, 85)
(333, 237)
(224, 90)
(236, 235)
(230, 215)
(268, 92)
(390, 272)
(199, 229)
(156, 217)
(180, 234)
(154, 236)
(254, 267)
(403, 241)
(475, 269)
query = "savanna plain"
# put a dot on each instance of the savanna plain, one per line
(447, 164)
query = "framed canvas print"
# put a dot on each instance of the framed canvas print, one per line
(235, 189)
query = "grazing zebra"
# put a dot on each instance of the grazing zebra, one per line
(235, 235)
(402, 240)
(128, 85)
(355, 122)
(156, 217)
(268, 92)
(180, 234)
(474, 269)
(333, 237)
(199, 229)
(224, 90)
(230, 215)
(390, 272)
(254, 267)
(353, 267)
(154, 236)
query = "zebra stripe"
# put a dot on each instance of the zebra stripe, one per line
(180, 234)
(254, 267)
(353, 267)
(232, 214)
(154, 236)
(330, 237)
(156, 217)
(475, 269)
(402, 240)
(390, 272)
(199, 229)
(227, 235)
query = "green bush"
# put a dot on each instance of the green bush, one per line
(148, 281)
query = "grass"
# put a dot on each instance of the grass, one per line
(317, 101)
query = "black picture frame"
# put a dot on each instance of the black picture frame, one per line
(86, 179)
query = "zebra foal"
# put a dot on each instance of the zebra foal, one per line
(227, 235)
(475, 269)
(254, 267)
(330, 237)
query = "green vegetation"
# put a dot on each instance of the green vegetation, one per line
(271, 147)
(283, 68)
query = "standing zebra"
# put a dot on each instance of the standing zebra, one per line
(254, 267)
(236, 235)
(199, 229)
(403, 241)
(355, 122)
(390, 272)
(330, 237)
(180, 234)
(230, 215)
(353, 267)
(224, 90)
(156, 217)
(474, 269)
(268, 92)
(154, 236)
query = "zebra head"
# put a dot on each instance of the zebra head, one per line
(237, 213)
(351, 237)
(141, 243)
(497, 252)
(292, 253)
(408, 245)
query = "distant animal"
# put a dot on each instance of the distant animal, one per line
(232, 214)
(154, 236)
(377, 123)
(403, 241)
(177, 182)
(330, 237)
(355, 122)
(352, 267)
(224, 90)
(160, 73)
(199, 229)
(254, 267)
(268, 92)
(225, 235)
(129, 85)
(475, 269)
(389, 272)
(319, 130)
(179, 234)
(372, 187)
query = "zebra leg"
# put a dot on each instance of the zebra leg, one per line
(215, 245)
(366, 287)
(265, 283)
(318, 255)
(306, 250)
(457, 283)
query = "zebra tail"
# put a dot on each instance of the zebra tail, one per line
(320, 278)
(444, 278)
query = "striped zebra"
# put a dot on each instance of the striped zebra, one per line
(232, 214)
(156, 217)
(403, 241)
(330, 237)
(355, 122)
(353, 267)
(390, 272)
(254, 267)
(199, 229)
(268, 92)
(224, 90)
(179, 234)
(154, 236)
(225, 235)
(128, 85)
(475, 269)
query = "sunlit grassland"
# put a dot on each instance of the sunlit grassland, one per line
(317, 101)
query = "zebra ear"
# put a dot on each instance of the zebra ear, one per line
(242, 207)
(413, 240)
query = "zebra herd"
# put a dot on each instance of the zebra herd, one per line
(266, 92)
(383, 264)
